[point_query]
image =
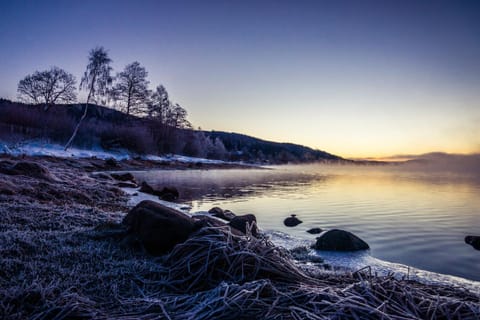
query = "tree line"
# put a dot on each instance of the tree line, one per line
(128, 90)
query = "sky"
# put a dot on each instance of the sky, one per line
(354, 78)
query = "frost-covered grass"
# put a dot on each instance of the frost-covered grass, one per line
(59, 262)
(42, 148)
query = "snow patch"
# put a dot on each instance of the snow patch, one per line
(39, 148)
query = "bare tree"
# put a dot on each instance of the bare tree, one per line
(177, 117)
(96, 79)
(48, 87)
(159, 105)
(132, 88)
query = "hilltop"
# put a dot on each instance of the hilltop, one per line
(111, 129)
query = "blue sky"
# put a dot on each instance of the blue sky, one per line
(355, 78)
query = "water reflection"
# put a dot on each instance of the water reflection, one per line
(410, 216)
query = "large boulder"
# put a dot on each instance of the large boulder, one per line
(474, 241)
(240, 223)
(292, 221)
(157, 227)
(340, 240)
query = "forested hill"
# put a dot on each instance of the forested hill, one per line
(112, 129)
(243, 147)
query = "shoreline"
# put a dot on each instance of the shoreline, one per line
(55, 257)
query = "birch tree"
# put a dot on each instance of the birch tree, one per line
(96, 80)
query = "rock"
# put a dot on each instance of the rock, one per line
(111, 162)
(126, 185)
(123, 176)
(30, 169)
(292, 221)
(340, 240)
(157, 227)
(474, 241)
(102, 176)
(215, 210)
(146, 188)
(166, 194)
(314, 231)
(169, 194)
(228, 215)
(7, 188)
(220, 213)
(240, 223)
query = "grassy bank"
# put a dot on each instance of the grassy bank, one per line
(59, 263)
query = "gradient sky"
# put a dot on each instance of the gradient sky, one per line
(354, 78)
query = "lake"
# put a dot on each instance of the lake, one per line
(407, 214)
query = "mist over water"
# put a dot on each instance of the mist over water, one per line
(415, 214)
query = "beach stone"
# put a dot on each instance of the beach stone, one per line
(222, 214)
(30, 169)
(111, 162)
(314, 230)
(157, 227)
(215, 210)
(292, 221)
(474, 241)
(123, 176)
(102, 176)
(169, 194)
(240, 223)
(123, 184)
(7, 188)
(228, 215)
(146, 188)
(166, 194)
(340, 240)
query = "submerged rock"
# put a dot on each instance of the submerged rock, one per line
(157, 227)
(292, 221)
(314, 230)
(474, 241)
(240, 223)
(340, 240)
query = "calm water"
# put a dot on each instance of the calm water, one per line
(407, 215)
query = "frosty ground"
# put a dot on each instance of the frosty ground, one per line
(58, 262)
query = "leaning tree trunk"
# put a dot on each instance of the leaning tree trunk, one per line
(74, 134)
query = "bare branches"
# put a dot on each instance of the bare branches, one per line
(132, 89)
(49, 87)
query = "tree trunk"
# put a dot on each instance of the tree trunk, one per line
(74, 134)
